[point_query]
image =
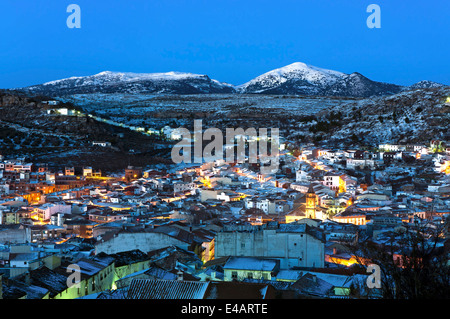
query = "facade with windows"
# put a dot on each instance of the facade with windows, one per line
(241, 268)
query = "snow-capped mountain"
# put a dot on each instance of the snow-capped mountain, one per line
(424, 85)
(303, 79)
(296, 76)
(294, 79)
(120, 82)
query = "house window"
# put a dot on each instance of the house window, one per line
(250, 275)
(234, 275)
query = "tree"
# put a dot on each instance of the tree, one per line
(354, 138)
(413, 264)
(394, 117)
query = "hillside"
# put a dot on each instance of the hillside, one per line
(131, 83)
(411, 116)
(29, 127)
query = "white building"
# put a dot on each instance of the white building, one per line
(300, 187)
(355, 163)
(171, 133)
(87, 171)
(392, 147)
(302, 176)
(45, 211)
(333, 181)
(182, 187)
(267, 205)
(294, 244)
(102, 144)
(145, 240)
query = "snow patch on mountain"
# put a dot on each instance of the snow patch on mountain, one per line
(304, 79)
(133, 83)
(298, 70)
(424, 85)
(116, 77)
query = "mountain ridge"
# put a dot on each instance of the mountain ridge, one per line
(297, 78)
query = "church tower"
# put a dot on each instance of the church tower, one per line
(310, 210)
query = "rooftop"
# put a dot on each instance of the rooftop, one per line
(166, 289)
(251, 263)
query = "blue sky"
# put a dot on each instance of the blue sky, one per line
(231, 41)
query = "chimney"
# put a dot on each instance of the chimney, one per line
(28, 278)
(180, 275)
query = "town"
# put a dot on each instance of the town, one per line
(219, 230)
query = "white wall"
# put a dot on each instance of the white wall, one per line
(49, 210)
(142, 241)
(293, 249)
